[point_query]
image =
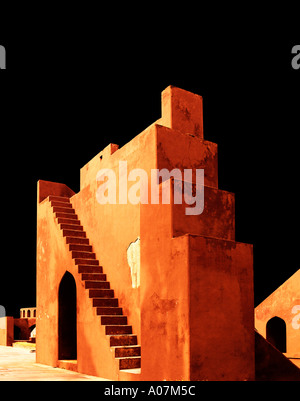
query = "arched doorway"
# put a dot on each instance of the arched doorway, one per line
(276, 333)
(67, 319)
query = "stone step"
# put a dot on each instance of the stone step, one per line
(101, 293)
(62, 220)
(29, 345)
(59, 198)
(118, 329)
(89, 269)
(74, 233)
(77, 240)
(97, 284)
(66, 210)
(61, 204)
(66, 215)
(83, 255)
(129, 363)
(80, 247)
(105, 302)
(76, 227)
(123, 352)
(113, 320)
(84, 261)
(129, 339)
(93, 277)
(68, 364)
(106, 310)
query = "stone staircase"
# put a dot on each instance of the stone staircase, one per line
(122, 341)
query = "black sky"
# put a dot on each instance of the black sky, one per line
(65, 97)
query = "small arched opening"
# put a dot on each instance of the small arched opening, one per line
(67, 319)
(276, 333)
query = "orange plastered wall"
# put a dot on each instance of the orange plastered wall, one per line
(285, 304)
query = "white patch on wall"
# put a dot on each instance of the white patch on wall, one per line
(296, 319)
(134, 262)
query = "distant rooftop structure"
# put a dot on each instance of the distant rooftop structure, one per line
(27, 312)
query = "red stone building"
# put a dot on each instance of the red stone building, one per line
(144, 291)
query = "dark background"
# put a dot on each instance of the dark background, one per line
(68, 93)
